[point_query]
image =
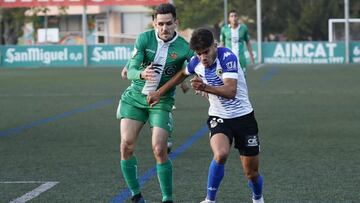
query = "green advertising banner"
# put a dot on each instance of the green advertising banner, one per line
(41, 56)
(109, 55)
(303, 52)
(355, 52)
(118, 55)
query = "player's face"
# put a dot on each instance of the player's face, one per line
(207, 56)
(233, 18)
(165, 24)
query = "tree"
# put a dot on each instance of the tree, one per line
(11, 24)
(295, 19)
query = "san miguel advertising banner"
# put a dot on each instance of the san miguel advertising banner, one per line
(64, 56)
(35, 3)
(41, 56)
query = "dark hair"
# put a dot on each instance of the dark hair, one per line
(164, 9)
(233, 11)
(201, 38)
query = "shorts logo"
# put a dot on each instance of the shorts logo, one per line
(252, 141)
(214, 122)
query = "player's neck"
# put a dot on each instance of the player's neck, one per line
(168, 39)
(234, 25)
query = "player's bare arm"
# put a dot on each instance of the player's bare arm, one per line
(228, 90)
(248, 44)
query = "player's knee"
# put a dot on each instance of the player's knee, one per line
(221, 156)
(159, 152)
(252, 174)
(126, 146)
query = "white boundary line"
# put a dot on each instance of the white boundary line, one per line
(33, 193)
(259, 66)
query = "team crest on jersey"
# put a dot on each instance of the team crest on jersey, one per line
(173, 55)
(219, 72)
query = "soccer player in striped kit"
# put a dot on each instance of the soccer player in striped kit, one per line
(231, 116)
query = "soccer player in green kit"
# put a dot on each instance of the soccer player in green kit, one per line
(158, 55)
(234, 36)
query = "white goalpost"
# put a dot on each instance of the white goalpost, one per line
(333, 32)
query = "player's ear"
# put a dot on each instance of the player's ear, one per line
(216, 43)
(177, 22)
(154, 23)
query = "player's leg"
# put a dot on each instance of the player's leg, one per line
(248, 144)
(243, 64)
(132, 120)
(161, 124)
(255, 180)
(220, 146)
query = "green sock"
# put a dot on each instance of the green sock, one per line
(164, 172)
(129, 171)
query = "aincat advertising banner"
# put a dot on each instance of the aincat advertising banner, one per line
(38, 3)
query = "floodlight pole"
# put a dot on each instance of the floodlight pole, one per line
(225, 12)
(84, 31)
(259, 31)
(347, 41)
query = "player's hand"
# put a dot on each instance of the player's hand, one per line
(153, 98)
(149, 73)
(202, 93)
(184, 87)
(124, 73)
(197, 84)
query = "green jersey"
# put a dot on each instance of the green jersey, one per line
(168, 58)
(235, 40)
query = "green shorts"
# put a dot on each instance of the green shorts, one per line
(157, 117)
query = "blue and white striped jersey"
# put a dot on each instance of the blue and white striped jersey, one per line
(226, 65)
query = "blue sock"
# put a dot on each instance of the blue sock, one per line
(216, 174)
(256, 187)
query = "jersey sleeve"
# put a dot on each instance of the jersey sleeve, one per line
(222, 36)
(190, 68)
(246, 35)
(134, 66)
(229, 64)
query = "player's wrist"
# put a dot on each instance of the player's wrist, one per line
(203, 86)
